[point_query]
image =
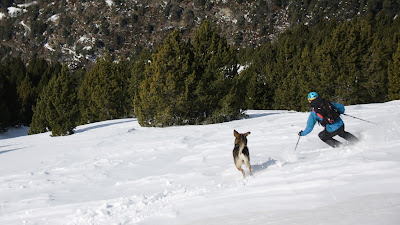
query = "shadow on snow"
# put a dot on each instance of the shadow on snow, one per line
(91, 127)
(11, 150)
(256, 115)
(263, 166)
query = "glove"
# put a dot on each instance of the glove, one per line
(300, 133)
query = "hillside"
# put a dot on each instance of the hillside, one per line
(116, 172)
(77, 32)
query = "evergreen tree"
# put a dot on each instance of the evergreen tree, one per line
(138, 67)
(29, 89)
(394, 75)
(216, 66)
(102, 94)
(286, 80)
(259, 92)
(375, 72)
(4, 112)
(123, 75)
(306, 77)
(287, 94)
(62, 111)
(324, 79)
(39, 122)
(191, 84)
(14, 72)
(27, 97)
(163, 98)
(349, 45)
(57, 108)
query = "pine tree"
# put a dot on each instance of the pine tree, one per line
(163, 98)
(138, 67)
(39, 122)
(216, 66)
(4, 112)
(102, 95)
(285, 78)
(62, 111)
(57, 108)
(306, 77)
(29, 89)
(375, 72)
(27, 97)
(349, 44)
(324, 80)
(14, 71)
(259, 93)
(394, 75)
(123, 75)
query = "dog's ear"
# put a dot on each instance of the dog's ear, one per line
(246, 134)
(235, 133)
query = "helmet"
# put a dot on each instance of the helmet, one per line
(312, 95)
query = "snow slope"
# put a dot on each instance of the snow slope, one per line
(116, 172)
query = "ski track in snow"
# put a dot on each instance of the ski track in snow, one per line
(116, 172)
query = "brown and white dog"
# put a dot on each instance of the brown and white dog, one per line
(241, 152)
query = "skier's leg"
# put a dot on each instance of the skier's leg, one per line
(326, 137)
(346, 135)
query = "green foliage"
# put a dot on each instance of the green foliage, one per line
(38, 74)
(259, 91)
(57, 110)
(102, 95)
(4, 112)
(27, 96)
(350, 62)
(137, 67)
(394, 75)
(14, 72)
(164, 93)
(216, 67)
(62, 110)
(189, 83)
(39, 122)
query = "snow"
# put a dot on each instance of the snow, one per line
(26, 5)
(27, 28)
(84, 39)
(47, 45)
(14, 11)
(54, 18)
(110, 2)
(20, 9)
(116, 172)
(2, 15)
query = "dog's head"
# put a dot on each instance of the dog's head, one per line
(240, 138)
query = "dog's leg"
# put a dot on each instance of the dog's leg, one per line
(249, 167)
(241, 170)
(239, 167)
(251, 174)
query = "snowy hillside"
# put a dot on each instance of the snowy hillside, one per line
(117, 172)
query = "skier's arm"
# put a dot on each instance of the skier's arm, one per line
(312, 119)
(338, 107)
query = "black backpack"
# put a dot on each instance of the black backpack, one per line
(325, 110)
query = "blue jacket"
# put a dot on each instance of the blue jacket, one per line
(312, 119)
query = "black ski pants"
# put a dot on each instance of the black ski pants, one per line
(327, 137)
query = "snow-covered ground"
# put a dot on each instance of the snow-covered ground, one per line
(116, 172)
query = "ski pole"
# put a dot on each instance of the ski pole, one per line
(297, 143)
(359, 119)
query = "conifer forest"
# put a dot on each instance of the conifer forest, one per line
(205, 79)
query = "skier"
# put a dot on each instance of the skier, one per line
(328, 115)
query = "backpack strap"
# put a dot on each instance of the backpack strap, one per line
(319, 115)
